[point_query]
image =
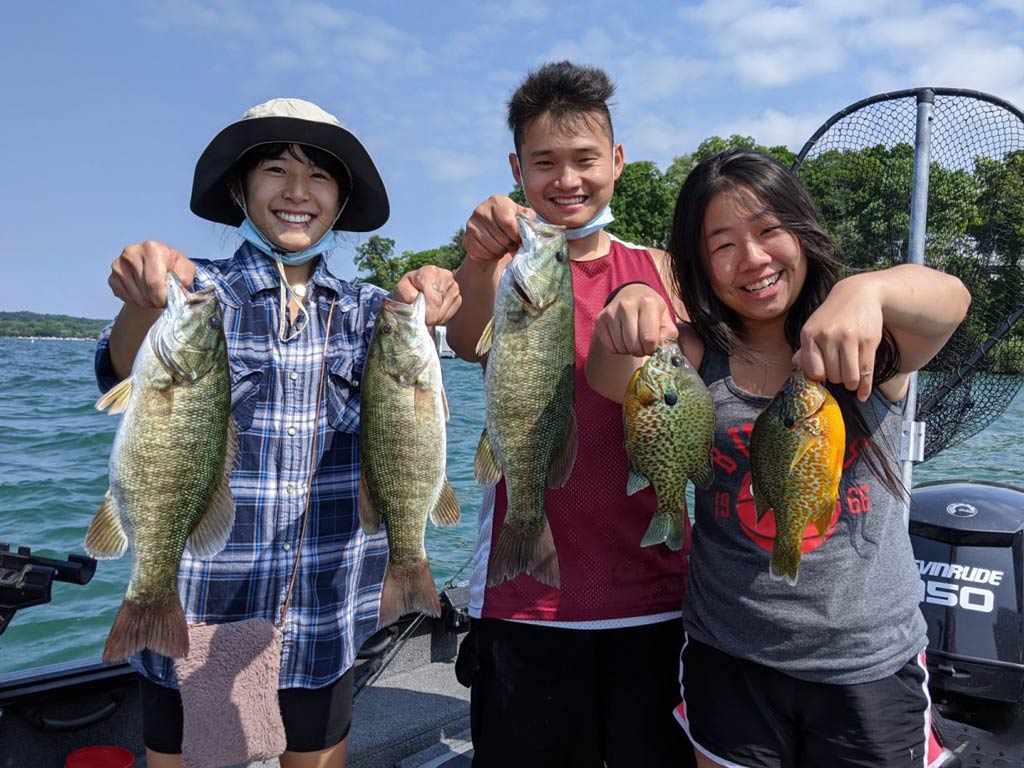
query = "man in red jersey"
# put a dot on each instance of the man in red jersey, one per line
(585, 674)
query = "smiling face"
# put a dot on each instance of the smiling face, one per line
(756, 267)
(290, 200)
(567, 168)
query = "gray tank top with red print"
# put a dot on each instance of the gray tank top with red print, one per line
(853, 616)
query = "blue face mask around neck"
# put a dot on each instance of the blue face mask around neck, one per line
(603, 219)
(248, 231)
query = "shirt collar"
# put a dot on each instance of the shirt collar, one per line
(261, 275)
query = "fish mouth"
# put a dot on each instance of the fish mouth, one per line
(522, 294)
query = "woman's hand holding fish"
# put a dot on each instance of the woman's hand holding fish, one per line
(626, 331)
(438, 287)
(492, 232)
(139, 275)
(839, 340)
(634, 322)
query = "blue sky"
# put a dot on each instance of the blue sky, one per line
(108, 104)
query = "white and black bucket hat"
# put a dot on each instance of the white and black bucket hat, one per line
(291, 121)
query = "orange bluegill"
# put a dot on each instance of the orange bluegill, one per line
(669, 423)
(796, 462)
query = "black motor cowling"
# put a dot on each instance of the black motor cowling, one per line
(968, 539)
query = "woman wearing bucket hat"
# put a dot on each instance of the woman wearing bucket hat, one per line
(287, 175)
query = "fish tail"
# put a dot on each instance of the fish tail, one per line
(785, 564)
(524, 550)
(666, 527)
(408, 588)
(158, 626)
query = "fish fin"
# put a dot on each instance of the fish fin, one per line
(561, 467)
(635, 482)
(483, 346)
(705, 476)
(485, 464)
(524, 550)
(407, 588)
(106, 539)
(115, 400)
(761, 505)
(784, 567)
(446, 511)
(805, 445)
(369, 515)
(823, 518)
(213, 529)
(666, 527)
(644, 393)
(158, 626)
(211, 533)
(444, 404)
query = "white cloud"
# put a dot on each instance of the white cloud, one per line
(230, 17)
(448, 165)
(516, 11)
(772, 127)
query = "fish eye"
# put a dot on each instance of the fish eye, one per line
(560, 256)
(789, 421)
(387, 329)
(214, 323)
(671, 398)
(676, 361)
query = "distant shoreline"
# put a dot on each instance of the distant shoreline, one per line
(49, 338)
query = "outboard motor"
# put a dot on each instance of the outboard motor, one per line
(968, 539)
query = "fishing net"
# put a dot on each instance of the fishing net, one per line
(859, 167)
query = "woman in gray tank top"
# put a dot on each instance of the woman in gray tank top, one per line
(829, 670)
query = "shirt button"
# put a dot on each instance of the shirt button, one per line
(355, 382)
(293, 375)
(291, 430)
(286, 546)
(289, 488)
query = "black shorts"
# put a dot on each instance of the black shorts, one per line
(746, 715)
(314, 718)
(572, 698)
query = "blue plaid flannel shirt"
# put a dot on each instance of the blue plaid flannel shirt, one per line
(335, 603)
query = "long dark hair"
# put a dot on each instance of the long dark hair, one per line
(771, 189)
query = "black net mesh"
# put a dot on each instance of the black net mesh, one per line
(860, 171)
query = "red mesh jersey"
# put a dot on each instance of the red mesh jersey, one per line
(606, 575)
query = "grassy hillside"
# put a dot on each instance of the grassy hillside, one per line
(60, 326)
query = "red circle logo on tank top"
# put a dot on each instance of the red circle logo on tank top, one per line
(763, 533)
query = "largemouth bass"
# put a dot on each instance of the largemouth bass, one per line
(402, 452)
(530, 432)
(169, 466)
(669, 422)
(796, 462)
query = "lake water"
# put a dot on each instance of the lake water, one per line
(54, 448)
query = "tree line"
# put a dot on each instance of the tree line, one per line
(31, 324)
(975, 225)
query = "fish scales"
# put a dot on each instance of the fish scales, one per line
(669, 428)
(796, 460)
(529, 383)
(403, 446)
(169, 467)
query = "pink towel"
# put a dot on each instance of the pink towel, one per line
(228, 687)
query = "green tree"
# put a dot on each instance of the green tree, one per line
(448, 256)
(376, 257)
(642, 204)
(681, 166)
